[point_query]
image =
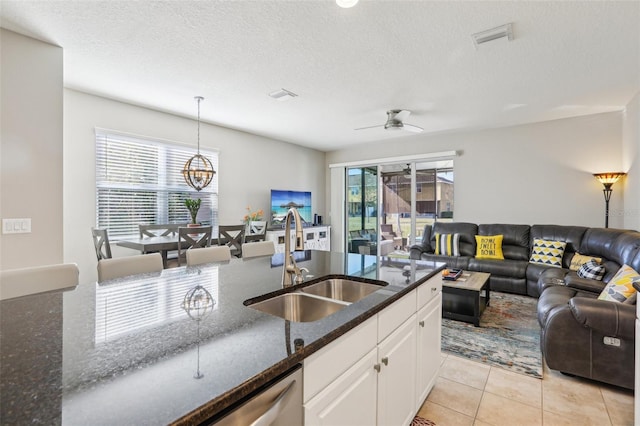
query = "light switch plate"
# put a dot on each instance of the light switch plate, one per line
(16, 226)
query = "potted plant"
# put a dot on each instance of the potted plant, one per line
(193, 206)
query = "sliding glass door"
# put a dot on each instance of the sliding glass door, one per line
(388, 205)
(361, 209)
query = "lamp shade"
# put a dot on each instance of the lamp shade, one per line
(609, 178)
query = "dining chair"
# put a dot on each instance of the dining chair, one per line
(109, 269)
(101, 243)
(232, 236)
(160, 230)
(37, 279)
(208, 255)
(260, 248)
(192, 238)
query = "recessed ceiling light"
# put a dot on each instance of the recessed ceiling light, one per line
(282, 95)
(496, 33)
(346, 3)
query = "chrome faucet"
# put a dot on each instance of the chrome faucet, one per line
(291, 274)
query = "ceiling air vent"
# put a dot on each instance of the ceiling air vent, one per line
(282, 95)
(496, 33)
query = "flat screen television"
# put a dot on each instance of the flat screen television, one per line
(282, 201)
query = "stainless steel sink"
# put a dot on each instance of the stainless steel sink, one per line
(341, 289)
(298, 307)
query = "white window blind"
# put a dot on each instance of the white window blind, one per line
(139, 181)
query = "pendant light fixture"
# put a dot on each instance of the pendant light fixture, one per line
(198, 170)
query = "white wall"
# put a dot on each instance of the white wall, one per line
(31, 150)
(529, 174)
(631, 164)
(250, 166)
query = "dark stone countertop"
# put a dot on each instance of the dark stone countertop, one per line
(125, 352)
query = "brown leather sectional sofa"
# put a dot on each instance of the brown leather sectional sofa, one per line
(580, 335)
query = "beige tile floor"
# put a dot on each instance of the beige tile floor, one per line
(474, 393)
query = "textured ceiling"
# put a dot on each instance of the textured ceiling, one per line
(348, 66)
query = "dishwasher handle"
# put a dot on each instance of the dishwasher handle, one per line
(272, 413)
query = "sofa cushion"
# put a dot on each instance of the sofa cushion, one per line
(515, 242)
(489, 247)
(620, 287)
(579, 259)
(467, 232)
(448, 244)
(548, 252)
(459, 262)
(592, 270)
(508, 268)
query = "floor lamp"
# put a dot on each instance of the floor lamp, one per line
(608, 179)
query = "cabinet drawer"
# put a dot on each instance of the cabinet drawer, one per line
(393, 316)
(324, 366)
(428, 290)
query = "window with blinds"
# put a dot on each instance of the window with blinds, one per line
(139, 181)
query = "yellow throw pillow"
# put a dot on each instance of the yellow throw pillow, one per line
(580, 259)
(620, 288)
(489, 247)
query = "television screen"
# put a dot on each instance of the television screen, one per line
(282, 201)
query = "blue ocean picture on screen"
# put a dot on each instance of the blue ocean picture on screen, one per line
(282, 201)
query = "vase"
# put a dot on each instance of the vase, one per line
(256, 227)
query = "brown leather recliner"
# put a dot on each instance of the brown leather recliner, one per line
(587, 337)
(580, 334)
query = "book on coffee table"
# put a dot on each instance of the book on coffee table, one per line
(452, 274)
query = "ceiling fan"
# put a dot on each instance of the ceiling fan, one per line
(395, 121)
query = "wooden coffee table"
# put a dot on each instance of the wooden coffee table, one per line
(463, 300)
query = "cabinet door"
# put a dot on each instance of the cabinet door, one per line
(397, 378)
(349, 400)
(429, 341)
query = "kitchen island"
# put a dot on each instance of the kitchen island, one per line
(125, 352)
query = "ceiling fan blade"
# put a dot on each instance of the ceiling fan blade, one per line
(402, 115)
(412, 128)
(370, 127)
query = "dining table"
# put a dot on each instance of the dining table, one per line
(128, 351)
(160, 244)
(166, 243)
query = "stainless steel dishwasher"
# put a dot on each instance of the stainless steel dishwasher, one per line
(278, 403)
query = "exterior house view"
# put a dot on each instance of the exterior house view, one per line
(319, 212)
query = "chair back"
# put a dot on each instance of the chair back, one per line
(38, 279)
(260, 248)
(208, 255)
(163, 230)
(192, 238)
(232, 236)
(101, 243)
(109, 269)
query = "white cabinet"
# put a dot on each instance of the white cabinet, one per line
(396, 389)
(356, 381)
(349, 400)
(315, 238)
(429, 344)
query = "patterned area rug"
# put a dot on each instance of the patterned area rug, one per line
(421, 421)
(508, 336)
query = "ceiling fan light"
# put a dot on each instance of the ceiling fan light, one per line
(346, 3)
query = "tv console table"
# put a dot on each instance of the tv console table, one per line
(315, 238)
